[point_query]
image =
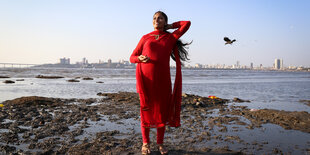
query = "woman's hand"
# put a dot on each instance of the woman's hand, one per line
(168, 26)
(143, 58)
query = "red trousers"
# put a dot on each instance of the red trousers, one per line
(146, 135)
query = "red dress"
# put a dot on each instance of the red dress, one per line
(159, 106)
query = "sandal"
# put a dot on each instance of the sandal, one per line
(162, 149)
(145, 149)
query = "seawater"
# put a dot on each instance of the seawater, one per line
(280, 90)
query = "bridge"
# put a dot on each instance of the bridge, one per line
(16, 65)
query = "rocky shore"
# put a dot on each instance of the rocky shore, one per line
(110, 124)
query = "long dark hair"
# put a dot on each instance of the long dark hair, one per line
(181, 46)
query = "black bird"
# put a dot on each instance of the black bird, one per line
(228, 41)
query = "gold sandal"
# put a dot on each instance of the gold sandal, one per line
(145, 149)
(162, 149)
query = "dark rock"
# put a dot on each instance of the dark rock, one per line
(288, 120)
(73, 80)
(8, 81)
(48, 77)
(7, 149)
(35, 100)
(88, 78)
(3, 77)
(238, 100)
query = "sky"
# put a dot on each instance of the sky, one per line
(42, 31)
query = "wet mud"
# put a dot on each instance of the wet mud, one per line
(110, 124)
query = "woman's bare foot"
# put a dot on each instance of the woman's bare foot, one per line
(145, 149)
(162, 149)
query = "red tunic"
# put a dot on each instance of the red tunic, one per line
(159, 106)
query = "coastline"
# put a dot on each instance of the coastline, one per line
(110, 124)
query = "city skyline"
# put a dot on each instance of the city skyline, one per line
(40, 32)
(278, 64)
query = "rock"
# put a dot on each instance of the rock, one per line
(20, 80)
(307, 102)
(4, 77)
(240, 100)
(73, 80)
(276, 151)
(7, 149)
(298, 120)
(48, 77)
(88, 78)
(35, 100)
(198, 103)
(8, 81)
(99, 82)
(184, 95)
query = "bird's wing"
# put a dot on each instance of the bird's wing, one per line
(226, 39)
(233, 40)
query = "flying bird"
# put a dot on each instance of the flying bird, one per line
(228, 41)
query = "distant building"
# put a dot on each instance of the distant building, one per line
(198, 65)
(65, 61)
(238, 64)
(278, 64)
(251, 65)
(84, 61)
(281, 64)
(109, 63)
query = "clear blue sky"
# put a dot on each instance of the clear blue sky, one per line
(42, 31)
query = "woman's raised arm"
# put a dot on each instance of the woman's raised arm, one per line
(182, 27)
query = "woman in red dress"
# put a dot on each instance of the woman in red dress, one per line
(159, 105)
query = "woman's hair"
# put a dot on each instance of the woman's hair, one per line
(181, 46)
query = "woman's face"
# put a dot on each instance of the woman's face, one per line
(159, 21)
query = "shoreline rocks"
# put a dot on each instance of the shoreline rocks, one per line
(110, 125)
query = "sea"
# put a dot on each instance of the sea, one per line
(281, 90)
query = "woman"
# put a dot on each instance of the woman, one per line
(158, 105)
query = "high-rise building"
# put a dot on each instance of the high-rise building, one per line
(251, 65)
(281, 64)
(278, 63)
